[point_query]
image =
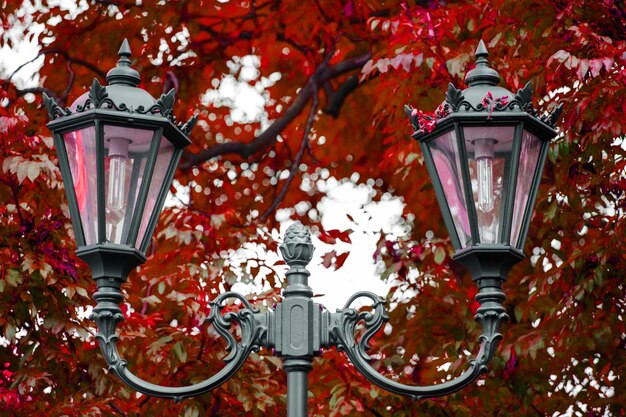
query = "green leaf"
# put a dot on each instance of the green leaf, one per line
(440, 255)
(180, 351)
(82, 292)
(14, 277)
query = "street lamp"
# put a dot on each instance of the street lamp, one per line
(118, 149)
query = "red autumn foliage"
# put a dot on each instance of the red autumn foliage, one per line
(335, 76)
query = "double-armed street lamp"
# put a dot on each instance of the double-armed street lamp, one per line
(118, 149)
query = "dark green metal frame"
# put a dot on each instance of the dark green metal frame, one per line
(95, 119)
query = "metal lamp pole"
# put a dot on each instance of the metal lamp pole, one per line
(484, 148)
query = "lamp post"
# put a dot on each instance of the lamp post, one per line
(118, 149)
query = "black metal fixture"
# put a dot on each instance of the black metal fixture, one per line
(118, 149)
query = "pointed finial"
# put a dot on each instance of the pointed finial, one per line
(125, 49)
(482, 74)
(123, 73)
(481, 51)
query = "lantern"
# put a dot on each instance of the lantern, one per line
(118, 149)
(485, 149)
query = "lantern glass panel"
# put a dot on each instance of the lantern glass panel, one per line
(529, 156)
(164, 156)
(80, 146)
(445, 153)
(489, 154)
(125, 153)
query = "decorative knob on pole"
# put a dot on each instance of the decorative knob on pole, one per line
(297, 248)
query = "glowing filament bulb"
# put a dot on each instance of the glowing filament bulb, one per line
(483, 149)
(118, 155)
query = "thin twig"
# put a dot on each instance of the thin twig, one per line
(319, 8)
(296, 163)
(70, 83)
(539, 412)
(216, 406)
(67, 56)
(22, 66)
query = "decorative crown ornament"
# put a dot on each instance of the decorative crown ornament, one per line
(122, 94)
(297, 248)
(482, 95)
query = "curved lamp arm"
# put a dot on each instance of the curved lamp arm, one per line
(490, 314)
(107, 315)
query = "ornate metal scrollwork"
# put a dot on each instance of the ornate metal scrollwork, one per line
(54, 110)
(455, 101)
(553, 117)
(252, 332)
(187, 126)
(98, 98)
(454, 97)
(343, 330)
(166, 103)
(491, 315)
(107, 315)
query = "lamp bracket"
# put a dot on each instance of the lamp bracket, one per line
(297, 329)
(107, 314)
(491, 314)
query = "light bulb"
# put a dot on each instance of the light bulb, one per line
(483, 151)
(118, 155)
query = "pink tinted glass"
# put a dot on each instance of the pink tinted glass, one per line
(166, 152)
(445, 154)
(80, 146)
(529, 156)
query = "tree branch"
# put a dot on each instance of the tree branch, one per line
(38, 90)
(144, 307)
(62, 98)
(216, 407)
(336, 98)
(245, 150)
(171, 81)
(296, 162)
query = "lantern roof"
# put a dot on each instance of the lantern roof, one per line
(482, 99)
(122, 95)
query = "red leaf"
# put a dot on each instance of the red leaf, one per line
(341, 259)
(327, 238)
